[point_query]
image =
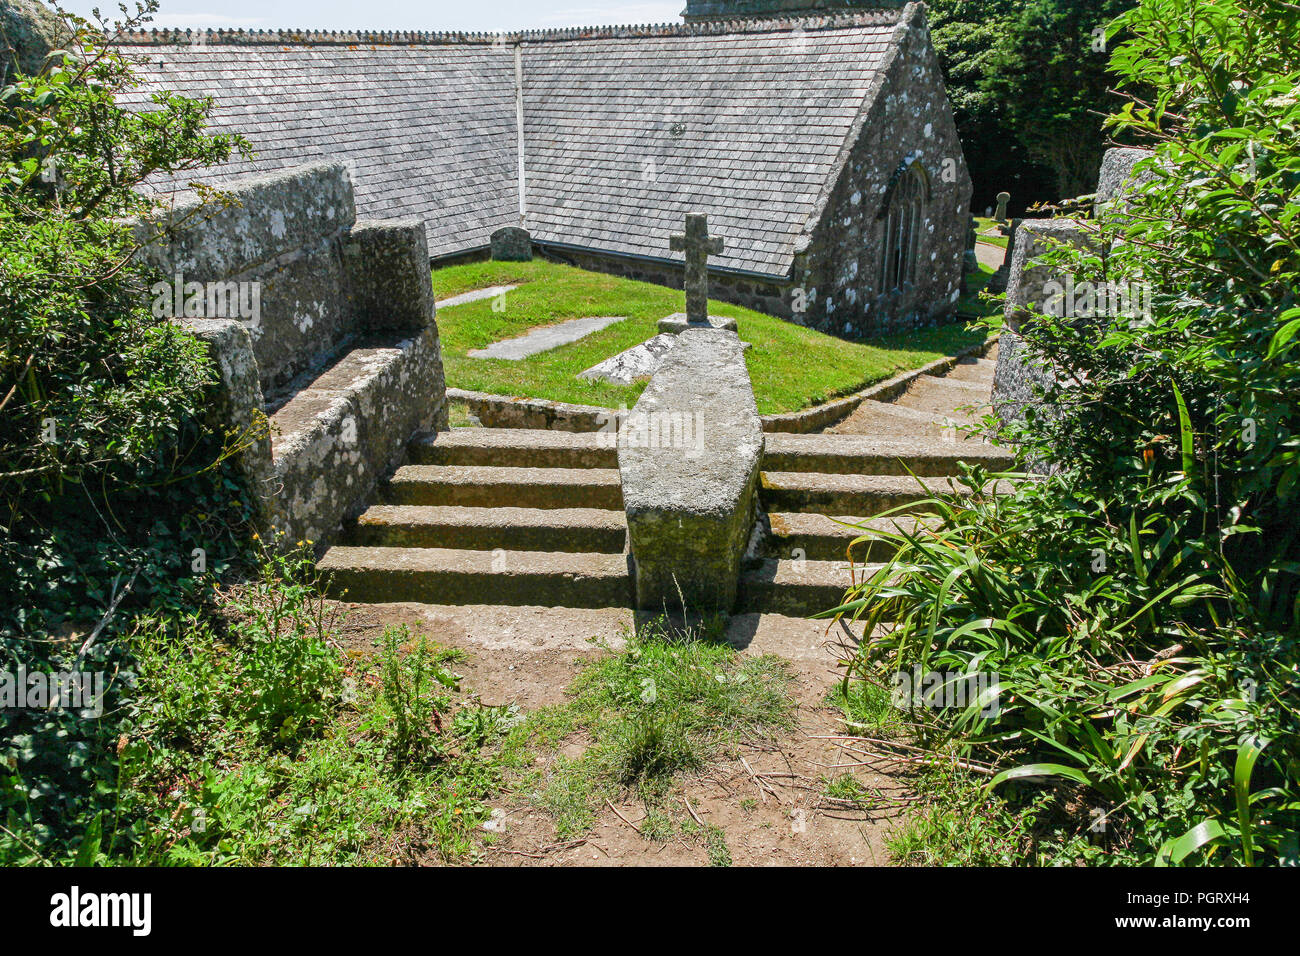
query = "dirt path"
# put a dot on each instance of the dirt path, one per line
(768, 800)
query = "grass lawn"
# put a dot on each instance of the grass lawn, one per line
(971, 303)
(987, 230)
(791, 367)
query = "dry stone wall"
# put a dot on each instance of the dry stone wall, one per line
(323, 334)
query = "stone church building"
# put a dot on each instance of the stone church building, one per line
(822, 148)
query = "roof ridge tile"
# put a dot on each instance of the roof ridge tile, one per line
(298, 37)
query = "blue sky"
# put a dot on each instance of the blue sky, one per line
(486, 15)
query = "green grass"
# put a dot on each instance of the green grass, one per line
(972, 303)
(791, 367)
(665, 707)
(983, 225)
(367, 787)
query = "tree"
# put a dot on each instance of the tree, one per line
(1049, 78)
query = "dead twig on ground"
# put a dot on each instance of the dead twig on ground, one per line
(691, 810)
(623, 818)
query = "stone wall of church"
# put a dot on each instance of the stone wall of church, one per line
(838, 273)
(759, 293)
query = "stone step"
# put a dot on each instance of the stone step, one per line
(797, 588)
(516, 447)
(864, 495)
(886, 421)
(451, 576)
(490, 486)
(868, 455)
(973, 371)
(817, 537)
(945, 396)
(486, 529)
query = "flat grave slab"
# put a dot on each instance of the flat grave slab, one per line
(545, 339)
(640, 361)
(491, 292)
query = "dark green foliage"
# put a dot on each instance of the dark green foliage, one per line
(1028, 93)
(108, 478)
(1141, 604)
(1049, 79)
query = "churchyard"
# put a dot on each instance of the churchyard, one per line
(629, 446)
(792, 368)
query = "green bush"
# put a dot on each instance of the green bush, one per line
(108, 478)
(1141, 603)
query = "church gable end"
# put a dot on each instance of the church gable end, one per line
(884, 251)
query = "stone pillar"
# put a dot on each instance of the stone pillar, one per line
(689, 456)
(998, 281)
(390, 285)
(1028, 293)
(1117, 178)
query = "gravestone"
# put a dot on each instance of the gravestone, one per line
(512, 244)
(972, 261)
(545, 339)
(1003, 199)
(698, 245)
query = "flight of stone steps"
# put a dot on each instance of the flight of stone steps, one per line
(520, 516)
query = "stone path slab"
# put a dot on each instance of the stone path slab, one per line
(545, 339)
(639, 361)
(491, 292)
(989, 254)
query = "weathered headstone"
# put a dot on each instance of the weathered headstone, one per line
(512, 244)
(1003, 199)
(698, 246)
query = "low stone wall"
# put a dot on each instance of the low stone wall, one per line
(284, 232)
(823, 416)
(509, 411)
(340, 362)
(689, 457)
(1018, 376)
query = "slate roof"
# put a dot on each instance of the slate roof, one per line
(625, 129)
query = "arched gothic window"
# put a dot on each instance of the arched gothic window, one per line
(903, 215)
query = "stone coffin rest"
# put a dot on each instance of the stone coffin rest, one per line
(338, 348)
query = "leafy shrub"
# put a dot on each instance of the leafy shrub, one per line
(108, 478)
(414, 685)
(1141, 603)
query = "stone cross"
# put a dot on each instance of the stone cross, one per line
(1003, 199)
(698, 246)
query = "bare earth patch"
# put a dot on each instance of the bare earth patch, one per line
(768, 802)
